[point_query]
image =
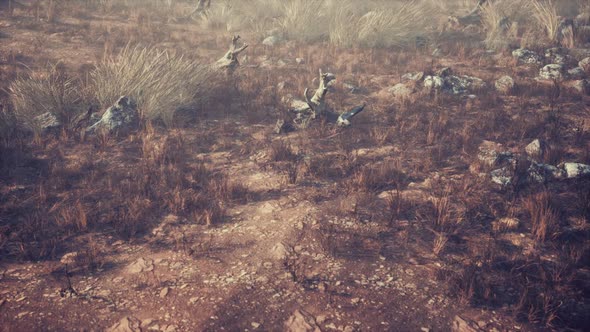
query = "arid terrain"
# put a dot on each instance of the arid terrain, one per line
(160, 173)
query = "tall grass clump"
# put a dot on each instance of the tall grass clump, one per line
(52, 91)
(547, 18)
(160, 83)
(304, 20)
(383, 25)
(501, 20)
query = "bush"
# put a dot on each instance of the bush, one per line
(54, 92)
(161, 83)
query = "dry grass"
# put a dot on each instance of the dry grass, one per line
(53, 91)
(162, 83)
(544, 217)
(547, 18)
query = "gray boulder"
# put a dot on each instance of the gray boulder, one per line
(121, 118)
(553, 71)
(47, 123)
(541, 173)
(458, 85)
(504, 84)
(502, 176)
(522, 55)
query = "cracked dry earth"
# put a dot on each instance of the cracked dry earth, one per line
(271, 267)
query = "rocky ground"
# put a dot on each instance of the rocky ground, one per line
(420, 216)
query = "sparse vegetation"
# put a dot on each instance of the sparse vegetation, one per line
(455, 192)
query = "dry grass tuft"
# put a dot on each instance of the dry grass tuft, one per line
(162, 83)
(547, 18)
(544, 217)
(53, 91)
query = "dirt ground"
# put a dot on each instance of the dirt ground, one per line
(327, 250)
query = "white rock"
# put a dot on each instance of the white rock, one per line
(574, 170)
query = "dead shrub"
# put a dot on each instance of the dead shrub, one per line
(544, 218)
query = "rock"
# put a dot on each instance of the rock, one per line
(557, 55)
(300, 61)
(462, 325)
(537, 149)
(69, 258)
(575, 170)
(585, 64)
(576, 73)
(401, 91)
(255, 325)
(580, 86)
(126, 324)
(506, 224)
(141, 265)
(504, 84)
(271, 41)
(541, 173)
(416, 76)
(493, 154)
(553, 71)
(502, 176)
(280, 251)
(164, 292)
(433, 82)
(301, 321)
(120, 118)
(525, 56)
(456, 85)
(47, 123)
(283, 127)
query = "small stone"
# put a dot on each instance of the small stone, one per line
(413, 77)
(164, 292)
(462, 325)
(255, 325)
(267, 265)
(537, 148)
(141, 265)
(126, 324)
(300, 61)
